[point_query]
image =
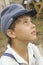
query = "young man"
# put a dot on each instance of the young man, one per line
(16, 24)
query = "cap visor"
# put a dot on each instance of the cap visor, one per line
(32, 12)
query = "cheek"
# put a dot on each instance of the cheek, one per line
(22, 33)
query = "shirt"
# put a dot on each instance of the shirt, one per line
(33, 53)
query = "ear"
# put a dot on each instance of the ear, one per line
(11, 33)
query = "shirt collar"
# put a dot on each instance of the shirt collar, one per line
(16, 55)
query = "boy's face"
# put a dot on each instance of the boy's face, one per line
(25, 30)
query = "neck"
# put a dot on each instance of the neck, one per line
(21, 48)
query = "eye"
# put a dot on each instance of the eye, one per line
(25, 22)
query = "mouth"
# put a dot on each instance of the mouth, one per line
(34, 32)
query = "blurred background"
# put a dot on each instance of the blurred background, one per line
(38, 21)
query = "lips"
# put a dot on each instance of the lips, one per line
(34, 32)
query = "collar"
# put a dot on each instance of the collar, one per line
(16, 55)
(30, 47)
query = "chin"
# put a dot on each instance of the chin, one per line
(34, 38)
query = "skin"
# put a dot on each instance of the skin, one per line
(24, 32)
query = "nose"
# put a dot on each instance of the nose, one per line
(33, 26)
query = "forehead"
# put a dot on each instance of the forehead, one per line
(24, 16)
